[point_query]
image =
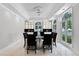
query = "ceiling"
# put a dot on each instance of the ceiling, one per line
(37, 11)
(46, 10)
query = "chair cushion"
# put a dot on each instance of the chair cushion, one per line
(29, 32)
(47, 32)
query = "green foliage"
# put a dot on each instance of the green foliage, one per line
(63, 25)
(69, 40)
(67, 15)
(69, 23)
(67, 18)
(63, 37)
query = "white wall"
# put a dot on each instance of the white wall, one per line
(11, 27)
(75, 17)
(59, 28)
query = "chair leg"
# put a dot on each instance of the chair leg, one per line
(43, 49)
(51, 48)
(55, 44)
(24, 43)
(27, 49)
(35, 49)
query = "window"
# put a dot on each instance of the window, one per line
(26, 25)
(29, 25)
(47, 24)
(54, 26)
(38, 26)
(67, 26)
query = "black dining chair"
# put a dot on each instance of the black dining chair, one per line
(54, 35)
(31, 42)
(35, 33)
(25, 30)
(47, 30)
(42, 33)
(25, 36)
(47, 42)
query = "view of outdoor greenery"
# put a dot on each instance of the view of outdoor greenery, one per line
(67, 27)
(38, 26)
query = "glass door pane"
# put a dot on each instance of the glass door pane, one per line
(69, 30)
(54, 25)
(67, 26)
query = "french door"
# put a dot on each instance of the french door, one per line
(67, 27)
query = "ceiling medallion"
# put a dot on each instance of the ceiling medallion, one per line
(38, 10)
